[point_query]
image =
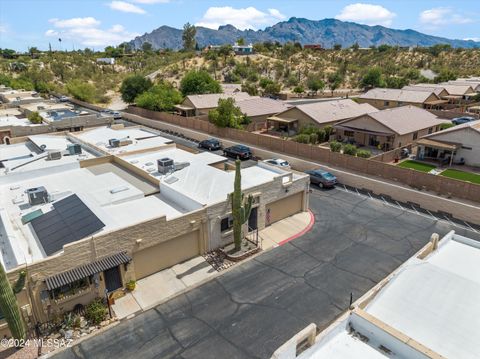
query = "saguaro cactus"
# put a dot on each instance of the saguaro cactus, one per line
(240, 209)
(9, 307)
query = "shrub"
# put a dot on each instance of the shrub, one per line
(302, 138)
(81, 90)
(299, 89)
(162, 97)
(95, 312)
(199, 82)
(313, 138)
(34, 117)
(133, 86)
(227, 114)
(444, 126)
(335, 146)
(321, 135)
(328, 131)
(364, 153)
(349, 149)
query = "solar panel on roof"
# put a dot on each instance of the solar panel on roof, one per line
(70, 220)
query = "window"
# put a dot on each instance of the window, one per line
(71, 288)
(415, 135)
(430, 130)
(226, 223)
(386, 103)
(348, 133)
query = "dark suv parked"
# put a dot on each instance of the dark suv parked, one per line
(211, 144)
(238, 151)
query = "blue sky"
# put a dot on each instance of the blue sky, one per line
(96, 23)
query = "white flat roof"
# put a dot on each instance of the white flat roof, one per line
(108, 196)
(141, 138)
(15, 121)
(29, 156)
(199, 181)
(433, 300)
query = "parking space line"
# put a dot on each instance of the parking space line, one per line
(398, 204)
(448, 219)
(430, 213)
(470, 227)
(383, 200)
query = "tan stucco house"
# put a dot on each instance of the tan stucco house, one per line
(382, 98)
(389, 128)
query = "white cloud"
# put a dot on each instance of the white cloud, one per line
(75, 22)
(442, 16)
(150, 1)
(368, 14)
(87, 32)
(244, 18)
(476, 39)
(126, 7)
(3, 28)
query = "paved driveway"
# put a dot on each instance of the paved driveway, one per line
(250, 311)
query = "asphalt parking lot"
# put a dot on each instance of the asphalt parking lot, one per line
(251, 310)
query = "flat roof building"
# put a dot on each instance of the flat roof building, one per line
(424, 309)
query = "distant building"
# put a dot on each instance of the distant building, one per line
(316, 47)
(387, 98)
(238, 49)
(106, 60)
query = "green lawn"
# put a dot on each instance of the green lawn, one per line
(461, 175)
(419, 166)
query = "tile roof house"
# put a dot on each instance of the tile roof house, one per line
(200, 104)
(389, 128)
(387, 98)
(319, 114)
(462, 141)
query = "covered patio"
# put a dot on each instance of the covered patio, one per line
(365, 138)
(436, 104)
(443, 152)
(282, 126)
(185, 111)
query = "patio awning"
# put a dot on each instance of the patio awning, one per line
(354, 129)
(280, 119)
(471, 94)
(436, 102)
(184, 108)
(72, 275)
(437, 144)
(453, 97)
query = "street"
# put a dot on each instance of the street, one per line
(251, 310)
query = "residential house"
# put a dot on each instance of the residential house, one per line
(456, 92)
(458, 144)
(389, 128)
(388, 98)
(141, 205)
(197, 105)
(320, 114)
(475, 84)
(259, 109)
(401, 318)
(106, 60)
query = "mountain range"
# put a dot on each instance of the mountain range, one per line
(326, 32)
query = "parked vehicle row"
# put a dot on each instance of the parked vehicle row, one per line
(322, 178)
(116, 115)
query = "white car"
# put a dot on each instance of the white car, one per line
(278, 162)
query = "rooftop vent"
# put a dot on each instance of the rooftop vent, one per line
(54, 155)
(165, 165)
(113, 142)
(74, 149)
(37, 195)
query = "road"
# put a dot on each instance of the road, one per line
(251, 310)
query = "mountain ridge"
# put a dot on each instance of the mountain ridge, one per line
(326, 32)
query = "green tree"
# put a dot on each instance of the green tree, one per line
(227, 114)
(445, 75)
(349, 149)
(240, 208)
(188, 36)
(199, 82)
(34, 117)
(162, 97)
(373, 78)
(81, 90)
(133, 86)
(250, 88)
(335, 146)
(147, 47)
(337, 47)
(299, 89)
(334, 81)
(9, 307)
(273, 88)
(315, 83)
(33, 51)
(241, 41)
(225, 51)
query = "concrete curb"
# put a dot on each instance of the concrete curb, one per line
(302, 232)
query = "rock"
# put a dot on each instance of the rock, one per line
(62, 332)
(91, 329)
(104, 323)
(83, 322)
(68, 334)
(83, 334)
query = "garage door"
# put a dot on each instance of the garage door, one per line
(284, 207)
(153, 259)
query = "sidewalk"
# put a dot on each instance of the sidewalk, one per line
(160, 287)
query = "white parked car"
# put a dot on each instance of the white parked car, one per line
(278, 162)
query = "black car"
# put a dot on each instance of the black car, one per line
(212, 144)
(238, 151)
(462, 120)
(322, 178)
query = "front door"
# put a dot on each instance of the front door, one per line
(253, 220)
(113, 280)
